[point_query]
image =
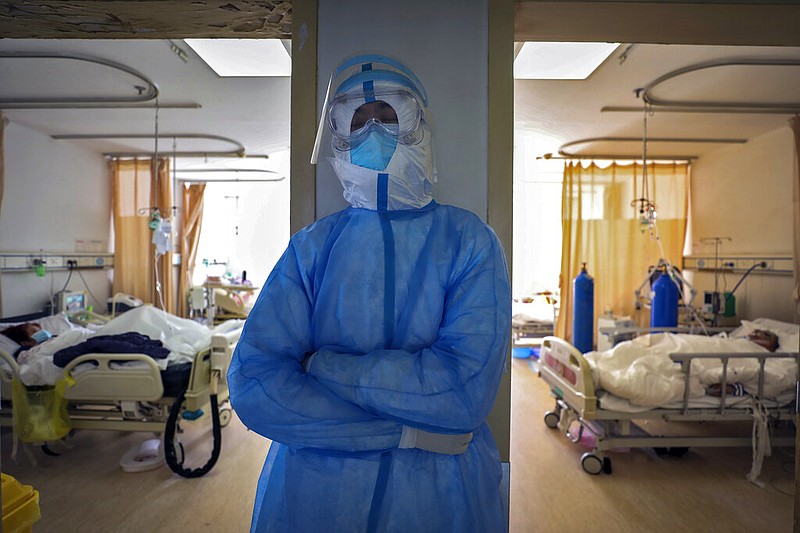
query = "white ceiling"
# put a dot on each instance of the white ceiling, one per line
(193, 102)
(255, 112)
(558, 112)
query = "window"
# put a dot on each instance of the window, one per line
(245, 227)
(537, 220)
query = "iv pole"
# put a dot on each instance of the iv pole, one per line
(715, 298)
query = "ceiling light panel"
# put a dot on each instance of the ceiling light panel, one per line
(560, 61)
(244, 57)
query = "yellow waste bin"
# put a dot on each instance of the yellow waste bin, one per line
(20, 506)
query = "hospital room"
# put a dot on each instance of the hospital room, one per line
(156, 163)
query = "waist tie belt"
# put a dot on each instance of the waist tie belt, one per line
(435, 442)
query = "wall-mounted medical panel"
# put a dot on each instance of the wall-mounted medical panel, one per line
(31, 261)
(776, 264)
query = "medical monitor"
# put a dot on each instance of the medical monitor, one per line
(70, 302)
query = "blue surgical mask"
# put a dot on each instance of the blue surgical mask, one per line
(374, 151)
(41, 336)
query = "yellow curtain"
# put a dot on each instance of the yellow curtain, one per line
(135, 192)
(602, 229)
(192, 221)
(795, 124)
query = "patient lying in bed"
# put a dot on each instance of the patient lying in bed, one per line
(23, 334)
(768, 340)
(641, 371)
(182, 338)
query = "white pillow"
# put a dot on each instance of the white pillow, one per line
(778, 327)
(6, 344)
(56, 324)
(788, 343)
(788, 334)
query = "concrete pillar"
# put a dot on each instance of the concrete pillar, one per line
(463, 53)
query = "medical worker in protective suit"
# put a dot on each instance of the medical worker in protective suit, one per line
(374, 352)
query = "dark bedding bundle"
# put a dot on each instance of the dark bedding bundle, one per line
(130, 342)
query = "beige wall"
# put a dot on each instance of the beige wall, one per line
(744, 192)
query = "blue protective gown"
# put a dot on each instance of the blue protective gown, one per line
(408, 313)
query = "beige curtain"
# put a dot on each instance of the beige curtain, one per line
(192, 221)
(795, 124)
(602, 229)
(135, 192)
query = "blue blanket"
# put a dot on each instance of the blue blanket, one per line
(130, 342)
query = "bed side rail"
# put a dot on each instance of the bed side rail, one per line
(568, 373)
(222, 346)
(5, 379)
(685, 360)
(109, 384)
(617, 334)
(214, 360)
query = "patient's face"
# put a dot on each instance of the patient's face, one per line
(767, 339)
(22, 334)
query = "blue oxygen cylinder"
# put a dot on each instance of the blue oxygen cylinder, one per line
(664, 302)
(583, 311)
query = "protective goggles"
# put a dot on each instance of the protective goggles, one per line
(396, 113)
(371, 92)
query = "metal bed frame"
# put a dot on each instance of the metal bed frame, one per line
(132, 399)
(569, 376)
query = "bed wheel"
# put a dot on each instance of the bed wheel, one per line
(551, 419)
(606, 465)
(225, 415)
(592, 464)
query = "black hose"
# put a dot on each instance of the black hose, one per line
(169, 439)
(762, 264)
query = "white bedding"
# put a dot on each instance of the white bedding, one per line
(538, 311)
(641, 371)
(183, 337)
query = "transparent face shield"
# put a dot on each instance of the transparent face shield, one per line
(371, 93)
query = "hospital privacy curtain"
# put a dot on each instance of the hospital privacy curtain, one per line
(136, 190)
(602, 229)
(190, 237)
(794, 122)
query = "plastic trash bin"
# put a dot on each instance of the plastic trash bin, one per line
(20, 506)
(521, 353)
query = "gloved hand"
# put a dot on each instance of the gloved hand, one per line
(435, 442)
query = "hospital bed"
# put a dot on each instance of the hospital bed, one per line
(533, 319)
(132, 392)
(586, 412)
